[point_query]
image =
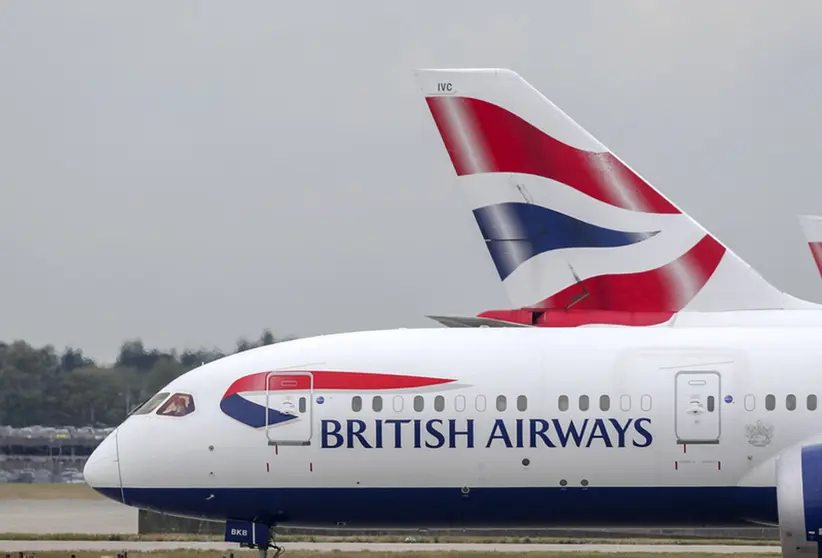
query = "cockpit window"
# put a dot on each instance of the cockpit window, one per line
(178, 405)
(151, 404)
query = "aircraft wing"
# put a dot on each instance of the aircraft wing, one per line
(471, 321)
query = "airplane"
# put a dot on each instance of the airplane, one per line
(812, 229)
(577, 237)
(501, 427)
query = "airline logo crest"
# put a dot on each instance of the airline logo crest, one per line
(759, 434)
(244, 400)
(567, 225)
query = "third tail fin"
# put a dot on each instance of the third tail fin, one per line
(812, 229)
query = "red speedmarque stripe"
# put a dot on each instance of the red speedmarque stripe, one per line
(500, 141)
(329, 380)
(665, 289)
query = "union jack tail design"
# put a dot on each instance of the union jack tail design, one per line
(566, 222)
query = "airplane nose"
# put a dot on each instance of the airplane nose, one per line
(102, 469)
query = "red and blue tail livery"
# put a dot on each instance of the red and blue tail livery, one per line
(567, 224)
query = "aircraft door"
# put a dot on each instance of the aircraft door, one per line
(288, 397)
(697, 407)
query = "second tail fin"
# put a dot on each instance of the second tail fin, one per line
(566, 222)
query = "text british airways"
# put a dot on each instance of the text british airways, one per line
(453, 433)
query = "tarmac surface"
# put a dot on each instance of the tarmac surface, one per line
(66, 516)
(113, 546)
(106, 517)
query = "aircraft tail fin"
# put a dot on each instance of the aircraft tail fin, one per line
(812, 229)
(566, 222)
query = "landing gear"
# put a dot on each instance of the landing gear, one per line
(252, 534)
(278, 551)
(265, 545)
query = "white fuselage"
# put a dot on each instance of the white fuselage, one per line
(659, 414)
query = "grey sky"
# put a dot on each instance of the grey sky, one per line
(190, 172)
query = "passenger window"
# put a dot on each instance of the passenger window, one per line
(151, 404)
(376, 403)
(501, 403)
(459, 403)
(604, 402)
(439, 403)
(583, 402)
(356, 404)
(711, 403)
(563, 403)
(645, 403)
(811, 402)
(398, 403)
(750, 402)
(625, 402)
(522, 403)
(770, 402)
(480, 403)
(178, 405)
(790, 402)
(419, 403)
(302, 404)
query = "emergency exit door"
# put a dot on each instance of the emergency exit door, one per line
(288, 398)
(698, 416)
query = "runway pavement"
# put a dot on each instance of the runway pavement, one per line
(113, 546)
(106, 517)
(66, 516)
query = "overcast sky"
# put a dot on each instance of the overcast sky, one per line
(192, 172)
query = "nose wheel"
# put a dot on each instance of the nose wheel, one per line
(270, 544)
(278, 551)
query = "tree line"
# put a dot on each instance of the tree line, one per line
(41, 386)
